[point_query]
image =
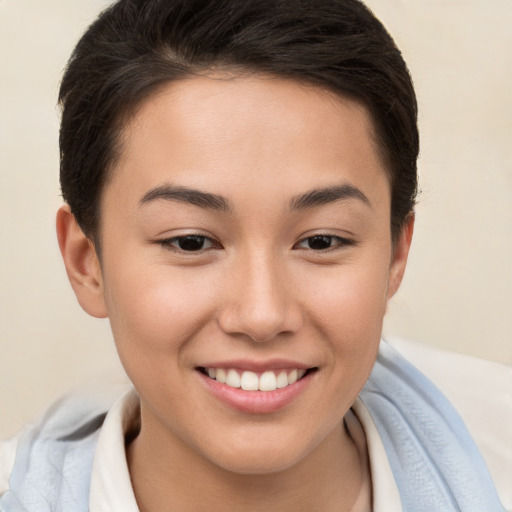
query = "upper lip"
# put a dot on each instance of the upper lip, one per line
(258, 366)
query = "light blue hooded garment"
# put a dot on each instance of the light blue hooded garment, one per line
(436, 464)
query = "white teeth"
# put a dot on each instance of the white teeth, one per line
(233, 379)
(292, 377)
(268, 381)
(282, 380)
(250, 381)
(220, 375)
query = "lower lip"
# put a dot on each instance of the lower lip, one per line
(256, 402)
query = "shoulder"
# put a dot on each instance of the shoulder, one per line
(481, 392)
(7, 456)
(56, 444)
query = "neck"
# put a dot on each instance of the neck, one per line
(168, 475)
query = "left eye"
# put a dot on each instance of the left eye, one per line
(322, 242)
(188, 243)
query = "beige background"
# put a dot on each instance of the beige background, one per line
(458, 289)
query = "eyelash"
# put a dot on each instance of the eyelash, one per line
(173, 243)
(340, 242)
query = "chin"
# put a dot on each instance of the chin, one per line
(258, 463)
(260, 458)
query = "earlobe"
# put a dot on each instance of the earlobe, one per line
(400, 255)
(82, 263)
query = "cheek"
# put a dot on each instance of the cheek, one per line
(156, 310)
(351, 299)
(347, 307)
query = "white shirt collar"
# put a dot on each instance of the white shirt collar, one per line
(386, 497)
(111, 487)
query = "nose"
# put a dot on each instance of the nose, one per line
(260, 302)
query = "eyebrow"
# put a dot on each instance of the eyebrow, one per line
(323, 196)
(187, 195)
(311, 199)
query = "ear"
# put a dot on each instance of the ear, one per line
(400, 254)
(82, 263)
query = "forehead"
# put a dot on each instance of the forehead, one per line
(222, 99)
(257, 130)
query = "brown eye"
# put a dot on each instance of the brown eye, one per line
(320, 242)
(191, 243)
(188, 243)
(323, 242)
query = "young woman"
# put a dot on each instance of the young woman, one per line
(240, 180)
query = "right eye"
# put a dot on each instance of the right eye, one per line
(188, 243)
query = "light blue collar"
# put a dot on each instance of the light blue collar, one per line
(435, 462)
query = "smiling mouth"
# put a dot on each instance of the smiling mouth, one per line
(251, 381)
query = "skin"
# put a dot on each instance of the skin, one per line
(256, 291)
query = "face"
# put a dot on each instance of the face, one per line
(246, 236)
